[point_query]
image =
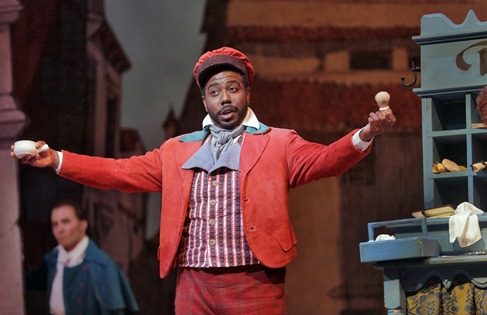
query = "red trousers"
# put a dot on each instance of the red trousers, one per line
(242, 290)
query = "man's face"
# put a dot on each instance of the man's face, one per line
(66, 227)
(226, 99)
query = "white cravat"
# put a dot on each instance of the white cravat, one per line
(65, 259)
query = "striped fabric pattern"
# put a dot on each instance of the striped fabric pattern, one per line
(214, 235)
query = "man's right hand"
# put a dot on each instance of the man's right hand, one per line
(46, 158)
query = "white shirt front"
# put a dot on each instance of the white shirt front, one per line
(65, 259)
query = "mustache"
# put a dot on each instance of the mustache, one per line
(227, 107)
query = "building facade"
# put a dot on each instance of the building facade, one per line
(62, 69)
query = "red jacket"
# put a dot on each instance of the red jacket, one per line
(272, 161)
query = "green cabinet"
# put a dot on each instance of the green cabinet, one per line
(453, 71)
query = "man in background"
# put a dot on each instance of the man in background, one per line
(78, 276)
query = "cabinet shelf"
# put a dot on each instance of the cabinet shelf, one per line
(447, 134)
(451, 175)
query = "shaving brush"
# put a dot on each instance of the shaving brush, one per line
(382, 99)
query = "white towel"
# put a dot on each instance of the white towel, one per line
(464, 224)
(385, 237)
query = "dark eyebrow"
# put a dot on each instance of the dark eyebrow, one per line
(226, 83)
(213, 84)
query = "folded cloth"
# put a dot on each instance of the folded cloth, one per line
(385, 237)
(464, 224)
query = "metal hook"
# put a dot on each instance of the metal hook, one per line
(415, 70)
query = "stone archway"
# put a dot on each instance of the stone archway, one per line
(12, 121)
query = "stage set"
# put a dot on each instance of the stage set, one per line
(436, 261)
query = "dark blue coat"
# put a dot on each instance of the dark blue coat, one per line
(95, 287)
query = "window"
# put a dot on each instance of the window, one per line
(366, 60)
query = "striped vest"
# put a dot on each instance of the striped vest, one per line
(213, 234)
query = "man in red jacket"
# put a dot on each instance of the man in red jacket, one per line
(224, 219)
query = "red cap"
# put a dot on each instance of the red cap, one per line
(222, 58)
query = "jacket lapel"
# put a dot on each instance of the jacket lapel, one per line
(182, 155)
(254, 144)
(252, 148)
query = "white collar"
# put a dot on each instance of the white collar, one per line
(75, 256)
(250, 120)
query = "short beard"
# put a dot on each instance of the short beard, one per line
(241, 114)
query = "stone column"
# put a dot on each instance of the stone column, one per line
(12, 120)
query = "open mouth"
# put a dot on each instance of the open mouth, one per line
(227, 113)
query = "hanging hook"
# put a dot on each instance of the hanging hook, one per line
(415, 70)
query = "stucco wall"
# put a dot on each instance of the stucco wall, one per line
(315, 273)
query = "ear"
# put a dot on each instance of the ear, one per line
(203, 98)
(84, 225)
(247, 94)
